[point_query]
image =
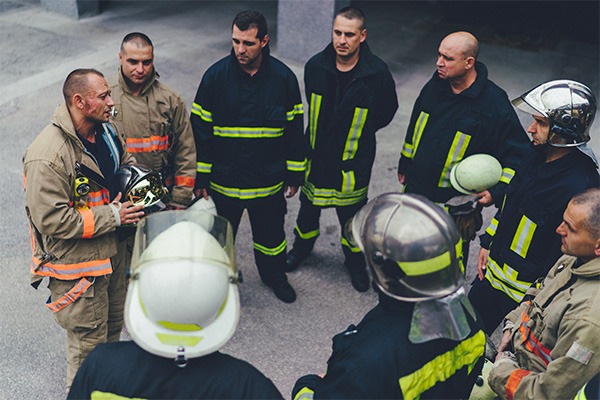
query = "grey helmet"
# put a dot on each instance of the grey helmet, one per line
(569, 106)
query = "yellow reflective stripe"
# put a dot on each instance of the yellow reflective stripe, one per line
(178, 340)
(246, 194)
(98, 395)
(407, 150)
(417, 133)
(325, 197)
(346, 243)
(348, 181)
(297, 110)
(424, 267)
(261, 132)
(491, 229)
(307, 235)
(304, 394)
(296, 166)
(355, 132)
(466, 353)
(505, 280)
(522, 239)
(205, 115)
(271, 251)
(203, 168)
(581, 394)
(179, 327)
(313, 117)
(507, 175)
(456, 153)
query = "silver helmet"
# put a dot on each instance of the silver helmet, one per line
(569, 106)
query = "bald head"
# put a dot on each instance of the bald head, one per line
(464, 43)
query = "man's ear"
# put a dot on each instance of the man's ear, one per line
(78, 101)
(264, 41)
(363, 35)
(470, 62)
(597, 248)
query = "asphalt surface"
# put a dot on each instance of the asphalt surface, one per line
(37, 51)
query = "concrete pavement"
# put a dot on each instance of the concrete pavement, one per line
(38, 50)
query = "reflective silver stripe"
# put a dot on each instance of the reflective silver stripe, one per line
(313, 117)
(355, 132)
(246, 194)
(505, 280)
(296, 166)
(205, 115)
(456, 153)
(348, 181)
(271, 251)
(325, 197)
(409, 150)
(203, 168)
(491, 229)
(507, 175)
(247, 132)
(297, 110)
(522, 239)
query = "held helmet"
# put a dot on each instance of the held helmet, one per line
(142, 185)
(412, 246)
(182, 300)
(475, 173)
(569, 106)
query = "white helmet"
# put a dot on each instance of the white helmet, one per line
(475, 173)
(412, 246)
(182, 300)
(202, 204)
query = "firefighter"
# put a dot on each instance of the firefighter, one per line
(521, 242)
(422, 340)
(69, 177)
(247, 119)
(182, 307)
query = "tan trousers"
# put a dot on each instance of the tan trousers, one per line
(97, 316)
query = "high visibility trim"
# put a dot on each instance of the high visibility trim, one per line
(71, 271)
(491, 229)
(261, 132)
(271, 251)
(522, 239)
(313, 117)
(323, 197)
(76, 291)
(505, 280)
(203, 168)
(179, 327)
(246, 194)
(296, 166)
(305, 394)
(348, 181)
(456, 153)
(88, 222)
(513, 382)
(441, 368)
(184, 181)
(346, 243)
(409, 150)
(581, 394)
(307, 235)
(178, 340)
(147, 144)
(99, 395)
(355, 132)
(205, 115)
(507, 175)
(531, 342)
(424, 267)
(297, 110)
(98, 198)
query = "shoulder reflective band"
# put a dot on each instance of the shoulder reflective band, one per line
(243, 132)
(455, 154)
(80, 288)
(355, 132)
(465, 354)
(523, 236)
(438, 263)
(205, 115)
(147, 144)
(313, 117)
(297, 110)
(409, 150)
(513, 382)
(507, 175)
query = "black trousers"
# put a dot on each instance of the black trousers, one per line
(267, 217)
(307, 229)
(492, 304)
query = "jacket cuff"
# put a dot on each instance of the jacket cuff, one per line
(181, 196)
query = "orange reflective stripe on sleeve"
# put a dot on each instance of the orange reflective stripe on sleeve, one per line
(146, 145)
(88, 222)
(71, 271)
(80, 288)
(98, 198)
(184, 181)
(513, 382)
(531, 342)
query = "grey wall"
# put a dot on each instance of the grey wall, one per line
(73, 8)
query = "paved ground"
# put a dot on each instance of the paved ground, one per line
(38, 49)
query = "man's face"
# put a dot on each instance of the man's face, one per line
(539, 130)
(451, 63)
(247, 47)
(96, 102)
(576, 240)
(137, 63)
(347, 36)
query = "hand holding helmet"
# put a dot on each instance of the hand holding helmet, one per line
(129, 213)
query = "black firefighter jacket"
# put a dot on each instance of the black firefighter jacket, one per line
(341, 132)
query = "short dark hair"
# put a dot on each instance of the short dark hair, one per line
(352, 12)
(590, 198)
(251, 19)
(138, 38)
(77, 82)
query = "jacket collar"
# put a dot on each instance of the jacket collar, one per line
(264, 65)
(547, 170)
(472, 91)
(364, 66)
(62, 119)
(125, 88)
(590, 269)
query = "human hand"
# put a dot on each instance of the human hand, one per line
(290, 190)
(401, 178)
(506, 336)
(482, 259)
(201, 192)
(129, 214)
(485, 198)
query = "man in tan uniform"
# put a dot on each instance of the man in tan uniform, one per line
(550, 346)
(154, 120)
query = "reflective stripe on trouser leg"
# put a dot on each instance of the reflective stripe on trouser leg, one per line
(306, 231)
(267, 222)
(352, 254)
